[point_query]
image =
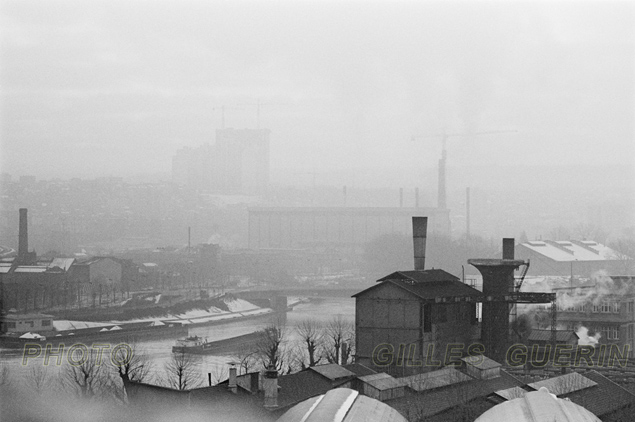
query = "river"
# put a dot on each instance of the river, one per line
(159, 351)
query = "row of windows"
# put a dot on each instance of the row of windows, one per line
(604, 307)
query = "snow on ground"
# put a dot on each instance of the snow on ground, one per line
(62, 325)
(238, 308)
(239, 305)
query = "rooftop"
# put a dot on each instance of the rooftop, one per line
(573, 250)
(428, 284)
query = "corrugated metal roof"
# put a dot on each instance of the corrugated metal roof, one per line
(332, 371)
(341, 405)
(564, 384)
(538, 406)
(435, 379)
(572, 250)
(381, 381)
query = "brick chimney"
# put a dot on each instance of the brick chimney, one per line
(419, 233)
(23, 235)
(270, 384)
(232, 386)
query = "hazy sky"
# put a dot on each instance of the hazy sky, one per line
(115, 87)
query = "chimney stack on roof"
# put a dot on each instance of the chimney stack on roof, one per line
(508, 248)
(232, 385)
(270, 384)
(419, 234)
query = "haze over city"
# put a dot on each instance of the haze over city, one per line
(237, 191)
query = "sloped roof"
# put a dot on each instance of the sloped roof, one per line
(592, 390)
(344, 405)
(572, 250)
(443, 399)
(564, 384)
(545, 335)
(427, 285)
(332, 371)
(381, 381)
(435, 379)
(421, 276)
(481, 362)
(359, 369)
(604, 398)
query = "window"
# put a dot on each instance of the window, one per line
(596, 308)
(606, 307)
(615, 332)
(10, 324)
(631, 307)
(630, 331)
(616, 307)
(46, 323)
(29, 323)
(427, 318)
(605, 332)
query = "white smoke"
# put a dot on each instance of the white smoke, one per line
(586, 340)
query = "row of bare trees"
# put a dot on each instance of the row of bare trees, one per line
(308, 344)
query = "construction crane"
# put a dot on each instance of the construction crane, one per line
(442, 202)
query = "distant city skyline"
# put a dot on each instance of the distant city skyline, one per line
(111, 88)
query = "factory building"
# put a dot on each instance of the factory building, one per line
(404, 323)
(411, 321)
(572, 257)
(28, 283)
(605, 306)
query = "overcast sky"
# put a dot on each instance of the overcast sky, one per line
(116, 87)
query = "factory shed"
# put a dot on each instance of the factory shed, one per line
(381, 386)
(543, 337)
(424, 310)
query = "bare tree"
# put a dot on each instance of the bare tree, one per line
(246, 360)
(311, 334)
(85, 375)
(181, 371)
(37, 379)
(270, 346)
(5, 377)
(339, 339)
(132, 363)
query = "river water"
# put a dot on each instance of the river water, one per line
(159, 351)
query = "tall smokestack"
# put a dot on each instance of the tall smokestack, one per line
(23, 236)
(508, 248)
(419, 234)
(441, 190)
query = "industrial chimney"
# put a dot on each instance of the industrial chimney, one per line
(23, 235)
(419, 233)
